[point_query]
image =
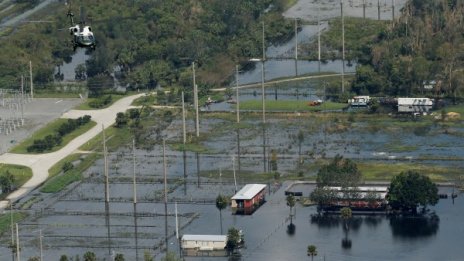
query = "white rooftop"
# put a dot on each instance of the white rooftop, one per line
(211, 238)
(249, 191)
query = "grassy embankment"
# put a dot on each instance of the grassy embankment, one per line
(21, 174)
(58, 179)
(51, 129)
(5, 221)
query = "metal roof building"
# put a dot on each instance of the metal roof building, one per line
(204, 242)
(248, 199)
(249, 191)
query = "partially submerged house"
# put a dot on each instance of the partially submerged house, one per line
(204, 242)
(248, 199)
(359, 198)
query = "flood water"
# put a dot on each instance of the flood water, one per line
(73, 221)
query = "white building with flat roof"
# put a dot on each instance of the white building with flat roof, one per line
(204, 242)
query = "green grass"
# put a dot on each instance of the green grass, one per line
(21, 173)
(86, 106)
(59, 182)
(115, 137)
(58, 167)
(51, 129)
(286, 105)
(146, 100)
(384, 171)
(5, 221)
(243, 176)
(190, 147)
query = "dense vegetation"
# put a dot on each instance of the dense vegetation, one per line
(52, 140)
(425, 44)
(150, 42)
(408, 190)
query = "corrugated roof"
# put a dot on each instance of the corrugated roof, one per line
(249, 191)
(211, 238)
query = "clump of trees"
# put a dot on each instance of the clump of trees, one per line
(234, 240)
(7, 182)
(152, 43)
(52, 140)
(410, 190)
(339, 172)
(422, 45)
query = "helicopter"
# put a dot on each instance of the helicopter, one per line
(82, 35)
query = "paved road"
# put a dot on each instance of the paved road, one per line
(41, 163)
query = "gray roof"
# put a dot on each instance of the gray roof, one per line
(249, 191)
(211, 238)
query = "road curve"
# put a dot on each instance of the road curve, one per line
(41, 163)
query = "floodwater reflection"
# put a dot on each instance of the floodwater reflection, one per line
(414, 227)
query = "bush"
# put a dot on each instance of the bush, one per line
(67, 166)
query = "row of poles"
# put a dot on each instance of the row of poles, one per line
(197, 131)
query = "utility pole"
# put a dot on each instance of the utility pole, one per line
(165, 196)
(262, 76)
(135, 201)
(319, 35)
(22, 100)
(12, 230)
(393, 11)
(296, 46)
(236, 94)
(18, 256)
(30, 76)
(264, 45)
(184, 134)
(343, 47)
(195, 101)
(107, 191)
(235, 178)
(40, 244)
(378, 10)
(364, 9)
(263, 93)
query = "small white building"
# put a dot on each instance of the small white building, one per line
(414, 104)
(359, 101)
(204, 242)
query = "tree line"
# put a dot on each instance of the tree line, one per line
(423, 45)
(52, 140)
(150, 43)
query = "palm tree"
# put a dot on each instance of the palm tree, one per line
(291, 203)
(346, 215)
(90, 256)
(312, 251)
(221, 203)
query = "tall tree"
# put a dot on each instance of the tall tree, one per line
(291, 203)
(339, 172)
(312, 251)
(90, 256)
(409, 190)
(233, 239)
(221, 203)
(346, 215)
